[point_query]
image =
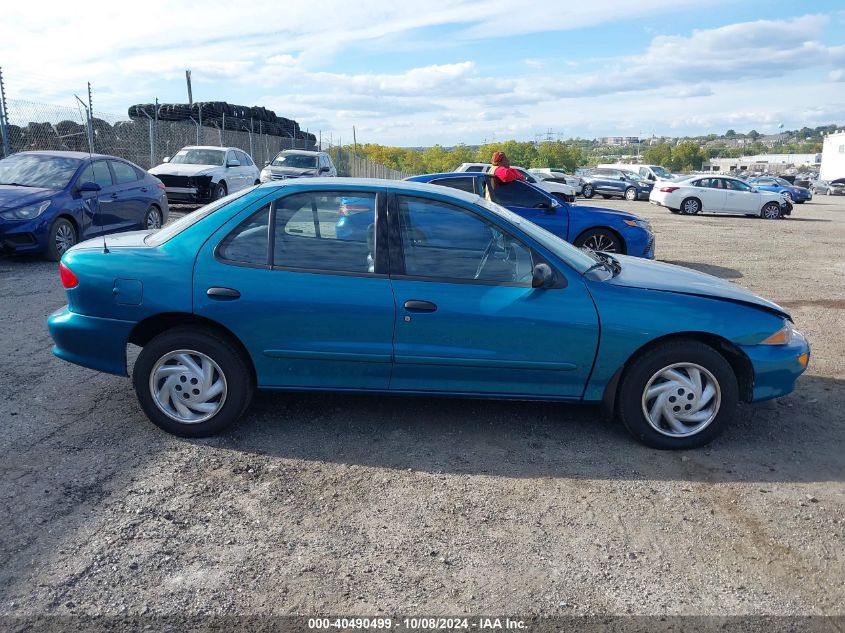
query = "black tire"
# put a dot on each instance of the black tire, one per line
(676, 211)
(631, 194)
(588, 191)
(601, 240)
(630, 405)
(219, 191)
(63, 235)
(691, 206)
(800, 201)
(233, 367)
(152, 219)
(771, 211)
(257, 182)
(605, 196)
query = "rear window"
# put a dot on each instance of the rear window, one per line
(172, 230)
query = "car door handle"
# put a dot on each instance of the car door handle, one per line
(414, 305)
(144, 189)
(114, 195)
(223, 293)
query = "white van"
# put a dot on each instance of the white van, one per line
(646, 172)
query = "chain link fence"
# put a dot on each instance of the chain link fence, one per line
(37, 126)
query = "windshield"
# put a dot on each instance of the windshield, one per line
(660, 172)
(630, 175)
(572, 255)
(300, 161)
(172, 230)
(38, 170)
(199, 157)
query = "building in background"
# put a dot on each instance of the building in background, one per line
(770, 163)
(833, 157)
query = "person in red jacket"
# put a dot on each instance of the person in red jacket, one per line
(502, 168)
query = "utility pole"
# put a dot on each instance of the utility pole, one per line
(190, 94)
(354, 142)
(4, 117)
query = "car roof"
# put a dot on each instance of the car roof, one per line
(403, 185)
(66, 154)
(446, 174)
(211, 147)
(306, 152)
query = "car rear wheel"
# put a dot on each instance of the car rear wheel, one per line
(220, 191)
(152, 219)
(771, 211)
(588, 191)
(631, 193)
(679, 395)
(600, 240)
(691, 206)
(192, 382)
(62, 236)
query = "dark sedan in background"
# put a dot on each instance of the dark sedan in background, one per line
(611, 183)
(49, 201)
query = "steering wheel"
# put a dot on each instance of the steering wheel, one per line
(487, 250)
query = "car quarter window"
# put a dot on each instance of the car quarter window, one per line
(244, 159)
(464, 183)
(123, 173)
(514, 194)
(98, 172)
(249, 243)
(444, 242)
(326, 231)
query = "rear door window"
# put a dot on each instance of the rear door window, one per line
(98, 172)
(123, 173)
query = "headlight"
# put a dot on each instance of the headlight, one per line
(26, 213)
(265, 174)
(781, 337)
(643, 224)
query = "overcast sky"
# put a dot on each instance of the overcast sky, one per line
(447, 71)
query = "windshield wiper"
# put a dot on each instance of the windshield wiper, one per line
(605, 261)
(16, 184)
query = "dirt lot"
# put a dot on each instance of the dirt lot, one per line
(369, 505)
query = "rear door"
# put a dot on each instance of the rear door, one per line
(469, 320)
(712, 193)
(311, 308)
(133, 195)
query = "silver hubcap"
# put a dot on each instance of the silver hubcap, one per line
(771, 211)
(188, 386)
(153, 219)
(221, 192)
(630, 194)
(681, 400)
(691, 206)
(600, 242)
(64, 238)
(588, 191)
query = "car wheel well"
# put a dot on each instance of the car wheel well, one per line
(71, 219)
(149, 328)
(738, 361)
(609, 230)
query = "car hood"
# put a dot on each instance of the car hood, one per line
(292, 171)
(652, 275)
(175, 169)
(12, 197)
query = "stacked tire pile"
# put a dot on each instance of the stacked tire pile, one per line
(64, 135)
(223, 115)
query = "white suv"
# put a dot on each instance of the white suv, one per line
(298, 163)
(201, 173)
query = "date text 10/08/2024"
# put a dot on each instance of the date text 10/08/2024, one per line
(416, 623)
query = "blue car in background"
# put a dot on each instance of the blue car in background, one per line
(262, 293)
(590, 227)
(796, 195)
(49, 201)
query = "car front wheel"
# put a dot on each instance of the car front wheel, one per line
(630, 193)
(220, 191)
(192, 382)
(679, 395)
(62, 236)
(771, 211)
(600, 240)
(588, 191)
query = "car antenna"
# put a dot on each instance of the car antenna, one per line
(89, 118)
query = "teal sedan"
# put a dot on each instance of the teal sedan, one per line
(258, 291)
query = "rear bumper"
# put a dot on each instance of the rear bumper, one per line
(89, 341)
(776, 367)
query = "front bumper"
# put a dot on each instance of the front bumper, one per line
(27, 236)
(644, 195)
(91, 342)
(776, 367)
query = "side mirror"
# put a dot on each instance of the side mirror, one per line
(324, 169)
(166, 159)
(266, 163)
(622, 178)
(233, 163)
(89, 186)
(541, 276)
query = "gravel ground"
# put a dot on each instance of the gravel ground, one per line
(372, 505)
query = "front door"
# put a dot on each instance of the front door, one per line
(741, 197)
(468, 320)
(102, 209)
(307, 305)
(529, 203)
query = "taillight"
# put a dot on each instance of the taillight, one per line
(69, 280)
(669, 189)
(161, 186)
